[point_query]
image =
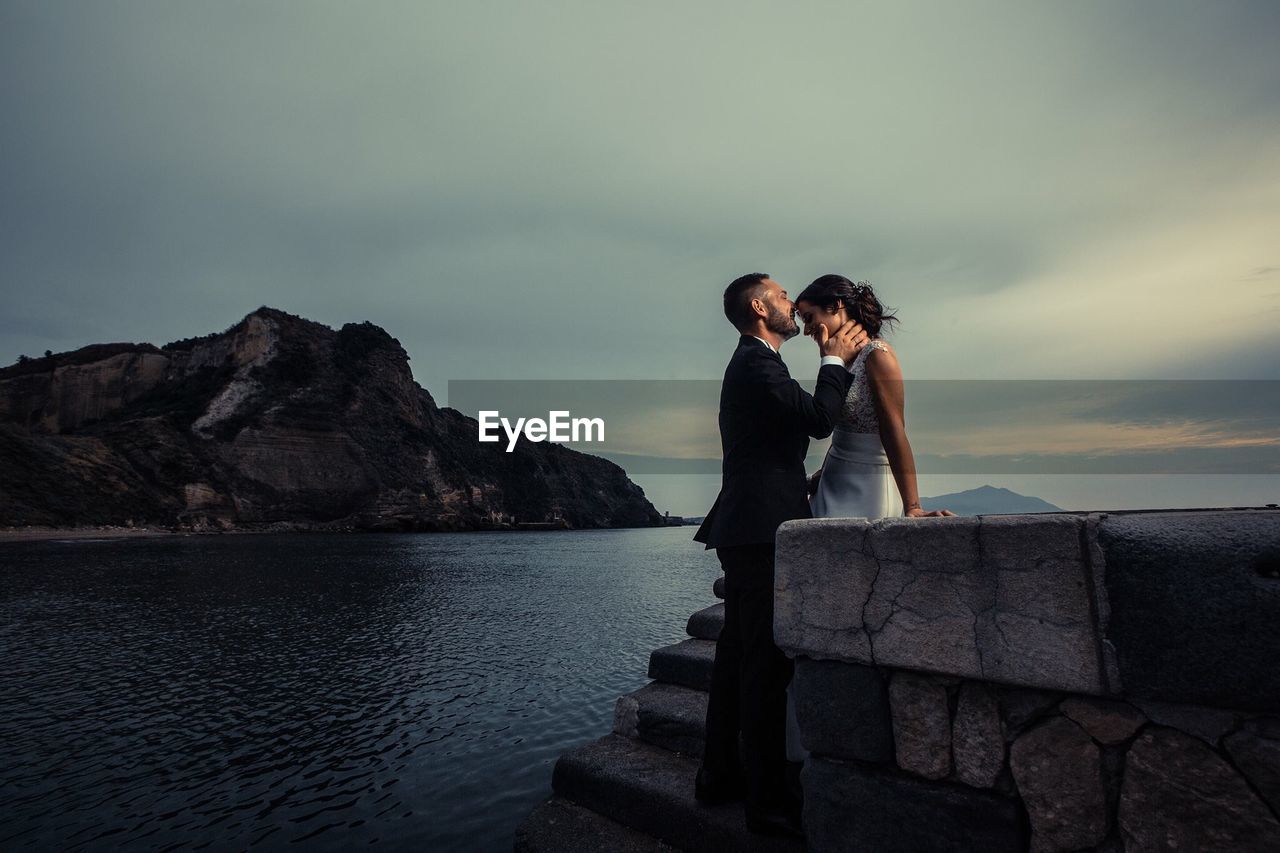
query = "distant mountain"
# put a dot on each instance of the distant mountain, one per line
(278, 422)
(988, 500)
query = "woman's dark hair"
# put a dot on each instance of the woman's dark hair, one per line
(831, 290)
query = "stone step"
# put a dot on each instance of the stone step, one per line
(665, 715)
(687, 664)
(706, 623)
(651, 789)
(563, 826)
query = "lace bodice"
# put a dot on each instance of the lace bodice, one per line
(859, 412)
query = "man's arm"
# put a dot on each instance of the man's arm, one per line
(815, 413)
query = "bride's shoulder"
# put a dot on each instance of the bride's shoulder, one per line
(876, 345)
(880, 358)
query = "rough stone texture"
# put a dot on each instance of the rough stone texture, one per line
(1259, 760)
(1020, 708)
(1267, 727)
(687, 664)
(1041, 631)
(651, 789)
(1058, 769)
(626, 716)
(848, 807)
(560, 826)
(1179, 795)
(1096, 560)
(706, 623)
(921, 724)
(843, 710)
(1187, 593)
(996, 598)
(276, 422)
(667, 715)
(1208, 724)
(1107, 721)
(977, 742)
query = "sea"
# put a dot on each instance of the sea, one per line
(318, 692)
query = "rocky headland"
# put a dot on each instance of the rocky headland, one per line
(278, 423)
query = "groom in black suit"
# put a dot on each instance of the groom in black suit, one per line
(766, 420)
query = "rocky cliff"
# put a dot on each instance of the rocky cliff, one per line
(276, 422)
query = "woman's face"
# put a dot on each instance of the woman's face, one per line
(814, 315)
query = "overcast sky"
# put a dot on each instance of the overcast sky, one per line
(562, 190)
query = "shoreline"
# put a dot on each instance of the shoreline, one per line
(40, 534)
(45, 534)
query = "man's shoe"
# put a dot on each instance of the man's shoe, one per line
(713, 793)
(773, 823)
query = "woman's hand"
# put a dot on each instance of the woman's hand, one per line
(917, 512)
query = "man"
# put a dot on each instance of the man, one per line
(766, 420)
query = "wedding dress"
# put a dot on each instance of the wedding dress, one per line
(856, 482)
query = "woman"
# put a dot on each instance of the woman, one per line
(869, 471)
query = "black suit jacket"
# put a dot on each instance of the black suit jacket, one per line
(766, 420)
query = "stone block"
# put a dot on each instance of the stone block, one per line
(823, 578)
(921, 724)
(1040, 629)
(950, 546)
(650, 789)
(667, 715)
(688, 664)
(1058, 770)
(850, 807)
(996, 598)
(977, 743)
(1259, 760)
(1208, 724)
(1267, 727)
(706, 623)
(1020, 707)
(1178, 794)
(1107, 721)
(926, 620)
(1199, 577)
(843, 710)
(561, 826)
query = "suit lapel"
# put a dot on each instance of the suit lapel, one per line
(753, 341)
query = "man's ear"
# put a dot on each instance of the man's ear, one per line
(759, 307)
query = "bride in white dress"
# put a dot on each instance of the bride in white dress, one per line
(869, 471)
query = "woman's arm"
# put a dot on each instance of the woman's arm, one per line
(884, 375)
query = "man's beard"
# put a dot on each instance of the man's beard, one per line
(781, 324)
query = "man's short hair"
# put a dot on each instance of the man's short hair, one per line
(738, 296)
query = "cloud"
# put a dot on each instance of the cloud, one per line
(561, 190)
(1068, 426)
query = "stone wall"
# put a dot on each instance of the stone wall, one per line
(1056, 682)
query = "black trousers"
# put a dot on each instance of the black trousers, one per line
(749, 681)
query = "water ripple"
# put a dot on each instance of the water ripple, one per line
(272, 692)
